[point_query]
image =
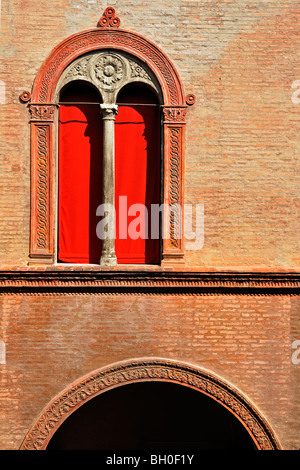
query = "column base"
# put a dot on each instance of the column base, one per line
(108, 260)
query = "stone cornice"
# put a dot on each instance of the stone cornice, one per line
(62, 281)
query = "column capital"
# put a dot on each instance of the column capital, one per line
(109, 111)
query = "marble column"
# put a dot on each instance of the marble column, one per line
(109, 111)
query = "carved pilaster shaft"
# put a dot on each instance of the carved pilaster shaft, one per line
(174, 135)
(41, 244)
(109, 112)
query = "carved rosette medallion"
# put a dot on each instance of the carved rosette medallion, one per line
(25, 96)
(109, 69)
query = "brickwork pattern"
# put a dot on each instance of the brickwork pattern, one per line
(52, 341)
(240, 59)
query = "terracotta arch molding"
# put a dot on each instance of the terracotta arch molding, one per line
(115, 39)
(143, 370)
(43, 131)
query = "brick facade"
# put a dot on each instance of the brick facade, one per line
(240, 60)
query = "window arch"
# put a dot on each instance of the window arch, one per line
(142, 62)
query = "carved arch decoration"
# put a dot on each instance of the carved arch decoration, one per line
(43, 110)
(143, 370)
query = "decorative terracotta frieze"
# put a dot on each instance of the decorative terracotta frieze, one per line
(174, 114)
(42, 112)
(84, 42)
(81, 281)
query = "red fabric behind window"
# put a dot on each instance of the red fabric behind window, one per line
(137, 176)
(80, 179)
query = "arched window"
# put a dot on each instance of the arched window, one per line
(109, 158)
(140, 128)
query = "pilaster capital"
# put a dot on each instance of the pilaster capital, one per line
(42, 112)
(174, 114)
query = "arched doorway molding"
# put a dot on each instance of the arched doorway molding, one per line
(143, 370)
(43, 110)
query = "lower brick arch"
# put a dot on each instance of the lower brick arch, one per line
(145, 370)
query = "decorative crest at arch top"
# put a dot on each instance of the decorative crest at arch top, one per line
(109, 19)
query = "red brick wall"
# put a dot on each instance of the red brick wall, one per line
(240, 60)
(52, 341)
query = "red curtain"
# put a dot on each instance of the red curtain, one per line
(137, 181)
(80, 179)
